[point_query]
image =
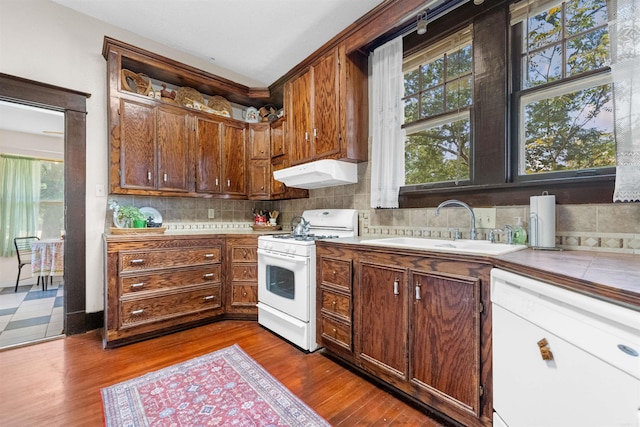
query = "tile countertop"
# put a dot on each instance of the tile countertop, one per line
(608, 276)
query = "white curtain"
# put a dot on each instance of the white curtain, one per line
(387, 145)
(624, 29)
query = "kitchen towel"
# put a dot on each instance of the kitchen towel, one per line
(542, 224)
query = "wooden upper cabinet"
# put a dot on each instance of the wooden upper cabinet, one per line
(137, 145)
(208, 148)
(233, 159)
(328, 109)
(154, 147)
(259, 165)
(326, 106)
(259, 141)
(277, 134)
(172, 126)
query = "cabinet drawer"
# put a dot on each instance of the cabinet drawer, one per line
(244, 295)
(336, 272)
(336, 332)
(244, 272)
(146, 310)
(173, 279)
(146, 260)
(336, 304)
(244, 253)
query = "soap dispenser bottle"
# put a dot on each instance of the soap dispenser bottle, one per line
(519, 233)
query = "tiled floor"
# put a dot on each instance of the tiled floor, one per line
(30, 314)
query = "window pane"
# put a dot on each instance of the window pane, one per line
(51, 181)
(585, 14)
(544, 29)
(411, 109)
(588, 52)
(544, 66)
(570, 132)
(459, 63)
(438, 154)
(412, 82)
(459, 93)
(432, 102)
(433, 73)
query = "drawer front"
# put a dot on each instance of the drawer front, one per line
(146, 310)
(336, 304)
(244, 295)
(337, 273)
(336, 332)
(173, 279)
(147, 260)
(244, 253)
(244, 272)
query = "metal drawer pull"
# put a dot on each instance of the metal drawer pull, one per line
(148, 175)
(165, 177)
(137, 285)
(208, 275)
(137, 261)
(396, 284)
(208, 297)
(418, 297)
(208, 255)
(134, 312)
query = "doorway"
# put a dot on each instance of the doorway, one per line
(73, 105)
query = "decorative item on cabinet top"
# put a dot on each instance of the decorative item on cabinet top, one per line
(136, 82)
(251, 115)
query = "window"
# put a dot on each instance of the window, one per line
(51, 211)
(562, 87)
(438, 98)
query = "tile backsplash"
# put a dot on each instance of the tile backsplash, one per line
(611, 227)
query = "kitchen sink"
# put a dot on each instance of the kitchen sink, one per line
(479, 247)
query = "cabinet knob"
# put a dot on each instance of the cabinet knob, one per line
(165, 177)
(335, 331)
(334, 303)
(148, 175)
(244, 294)
(396, 287)
(335, 273)
(418, 297)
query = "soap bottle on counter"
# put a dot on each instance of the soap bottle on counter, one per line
(519, 233)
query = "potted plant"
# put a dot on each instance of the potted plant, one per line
(130, 216)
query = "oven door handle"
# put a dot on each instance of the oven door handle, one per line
(288, 257)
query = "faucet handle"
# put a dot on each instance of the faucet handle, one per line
(456, 233)
(492, 234)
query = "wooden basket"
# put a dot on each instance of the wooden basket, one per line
(186, 95)
(219, 103)
(135, 82)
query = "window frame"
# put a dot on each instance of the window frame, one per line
(492, 175)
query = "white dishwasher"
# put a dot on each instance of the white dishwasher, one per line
(561, 358)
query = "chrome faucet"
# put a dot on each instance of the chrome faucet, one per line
(472, 229)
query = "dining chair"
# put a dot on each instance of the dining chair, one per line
(23, 249)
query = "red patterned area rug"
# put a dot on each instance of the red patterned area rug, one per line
(223, 388)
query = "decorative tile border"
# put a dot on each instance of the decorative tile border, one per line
(213, 226)
(627, 243)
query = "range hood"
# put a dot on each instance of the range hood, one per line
(318, 174)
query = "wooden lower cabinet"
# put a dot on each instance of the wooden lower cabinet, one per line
(242, 277)
(419, 323)
(160, 284)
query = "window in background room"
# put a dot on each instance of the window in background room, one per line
(51, 213)
(437, 105)
(562, 87)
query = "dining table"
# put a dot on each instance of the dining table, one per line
(47, 259)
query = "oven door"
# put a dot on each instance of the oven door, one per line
(283, 283)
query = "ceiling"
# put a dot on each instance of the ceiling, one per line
(23, 118)
(261, 40)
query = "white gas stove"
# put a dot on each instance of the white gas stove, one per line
(287, 274)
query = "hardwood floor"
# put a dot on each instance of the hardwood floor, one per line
(57, 383)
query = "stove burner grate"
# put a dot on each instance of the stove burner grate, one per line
(305, 237)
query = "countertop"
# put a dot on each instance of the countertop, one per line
(608, 276)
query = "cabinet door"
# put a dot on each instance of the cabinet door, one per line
(173, 149)
(137, 145)
(326, 107)
(382, 320)
(277, 187)
(233, 163)
(259, 141)
(278, 138)
(445, 339)
(300, 149)
(259, 179)
(208, 148)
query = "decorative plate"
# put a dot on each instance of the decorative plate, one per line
(154, 214)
